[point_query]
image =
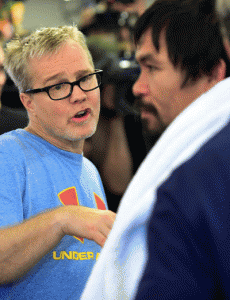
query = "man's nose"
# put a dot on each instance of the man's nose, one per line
(140, 88)
(78, 95)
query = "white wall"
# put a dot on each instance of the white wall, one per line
(39, 13)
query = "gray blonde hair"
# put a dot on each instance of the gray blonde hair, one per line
(19, 51)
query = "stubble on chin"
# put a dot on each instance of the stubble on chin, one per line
(150, 130)
(75, 136)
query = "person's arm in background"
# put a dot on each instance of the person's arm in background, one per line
(108, 149)
(118, 165)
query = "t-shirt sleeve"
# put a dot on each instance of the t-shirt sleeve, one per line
(94, 175)
(12, 177)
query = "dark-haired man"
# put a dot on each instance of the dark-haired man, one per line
(171, 237)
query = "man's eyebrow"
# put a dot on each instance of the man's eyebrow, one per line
(56, 76)
(144, 58)
(80, 73)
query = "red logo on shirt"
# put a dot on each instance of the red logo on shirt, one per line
(69, 197)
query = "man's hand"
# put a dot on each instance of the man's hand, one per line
(85, 222)
(38, 235)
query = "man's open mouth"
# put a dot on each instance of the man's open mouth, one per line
(82, 113)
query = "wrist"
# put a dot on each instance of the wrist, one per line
(63, 217)
(59, 219)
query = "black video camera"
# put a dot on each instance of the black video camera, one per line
(121, 1)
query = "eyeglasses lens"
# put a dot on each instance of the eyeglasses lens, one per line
(90, 82)
(60, 91)
(63, 90)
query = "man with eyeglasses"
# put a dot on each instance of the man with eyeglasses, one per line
(53, 212)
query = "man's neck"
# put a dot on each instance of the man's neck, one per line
(74, 147)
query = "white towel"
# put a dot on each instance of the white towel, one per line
(118, 271)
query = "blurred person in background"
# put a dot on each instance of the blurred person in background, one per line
(53, 210)
(10, 118)
(113, 147)
(11, 19)
(12, 115)
(108, 27)
(171, 235)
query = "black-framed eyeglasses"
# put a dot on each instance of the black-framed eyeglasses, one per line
(63, 90)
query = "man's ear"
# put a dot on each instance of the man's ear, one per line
(219, 73)
(27, 102)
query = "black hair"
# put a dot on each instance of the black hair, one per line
(193, 35)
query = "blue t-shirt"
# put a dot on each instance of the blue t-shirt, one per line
(36, 176)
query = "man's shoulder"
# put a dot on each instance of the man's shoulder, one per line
(11, 142)
(217, 146)
(208, 168)
(90, 167)
(8, 137)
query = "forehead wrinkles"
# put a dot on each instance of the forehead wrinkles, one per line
(71, 59)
